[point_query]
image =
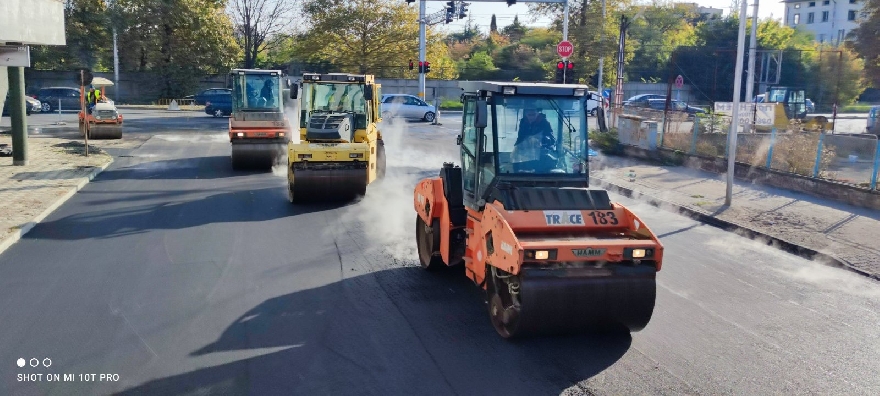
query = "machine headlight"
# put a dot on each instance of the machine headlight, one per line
(549, 254)
(280, 134)
(638, 253)
(240, 134)
(580, 92)
(97, 117)
(356, 155)
(304, 156)
(509, 90)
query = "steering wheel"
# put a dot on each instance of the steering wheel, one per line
(547, 162)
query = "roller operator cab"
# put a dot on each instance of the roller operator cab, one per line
(552, 254)
(340, 149)
(258, 127)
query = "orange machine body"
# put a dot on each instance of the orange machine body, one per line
(509, 240)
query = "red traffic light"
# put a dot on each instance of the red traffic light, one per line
(570, 65)
(560, 65)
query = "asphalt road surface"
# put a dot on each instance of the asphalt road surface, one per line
(181, 276)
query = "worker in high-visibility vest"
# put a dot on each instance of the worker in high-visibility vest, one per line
(93, 98)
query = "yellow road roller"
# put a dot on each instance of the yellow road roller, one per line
(340, 150)
(258, 128)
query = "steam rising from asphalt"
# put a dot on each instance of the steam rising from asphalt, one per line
(292, 112)
(386, 215)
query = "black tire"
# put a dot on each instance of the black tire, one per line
(380, 159)
(498, 304)
(428, 240)
(594, 112)
(429, 116)
(46, 107)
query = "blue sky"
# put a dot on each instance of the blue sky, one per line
(482, 12)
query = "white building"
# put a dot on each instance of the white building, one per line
(828, 20)
(707, 12)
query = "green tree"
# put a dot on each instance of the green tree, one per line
(867, 41)
(361, 36)
(181, 40)
(479, 66)
(89, 42)
(841, 76)
(515, 30)
(661, 28)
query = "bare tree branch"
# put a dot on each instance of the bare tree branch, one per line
(258, 21)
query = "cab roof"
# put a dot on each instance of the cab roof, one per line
(524, 88)
(343, 77)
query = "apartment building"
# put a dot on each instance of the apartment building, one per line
(828, 20)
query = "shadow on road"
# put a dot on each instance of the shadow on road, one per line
(197, 210)
(397, 331)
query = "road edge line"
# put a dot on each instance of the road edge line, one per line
(24, 229)
(729, 226)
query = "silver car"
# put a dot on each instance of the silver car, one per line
(408, 107)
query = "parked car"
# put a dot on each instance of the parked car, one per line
(593, 103)
(674, 105)
(32, 105)
(49, 98)
(208, 95)
(642, 100)
(219, 104)
(407, 106)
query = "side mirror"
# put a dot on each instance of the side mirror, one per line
(368, 92)
(458, 140)
(294, 91)
(481, 119)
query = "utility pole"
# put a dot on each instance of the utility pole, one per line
(601, 56)
(115, 65)
(737, 84)
(422, 50)
(750, 77)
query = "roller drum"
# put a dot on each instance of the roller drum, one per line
(105, 131)
(256, 155)
(310, 185)
(569, 300)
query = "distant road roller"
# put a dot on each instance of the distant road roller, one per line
(340, 150)
(104, 121)
(553, 255)
(258, 127)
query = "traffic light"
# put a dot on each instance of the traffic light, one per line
(450, 11)
(594, 80)
(410, 64)
(462, 11)
(410, 1)
(427, 67)
(569, 72)
(421, 67)
(560, 72)
(511, 2)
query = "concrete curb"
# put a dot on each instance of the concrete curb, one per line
(705, 217)
(24, 229)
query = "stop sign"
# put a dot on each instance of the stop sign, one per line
(564, 49)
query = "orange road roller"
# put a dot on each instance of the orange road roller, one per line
(553, 255)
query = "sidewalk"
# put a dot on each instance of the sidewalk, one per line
(846, 233)
(57, 170)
